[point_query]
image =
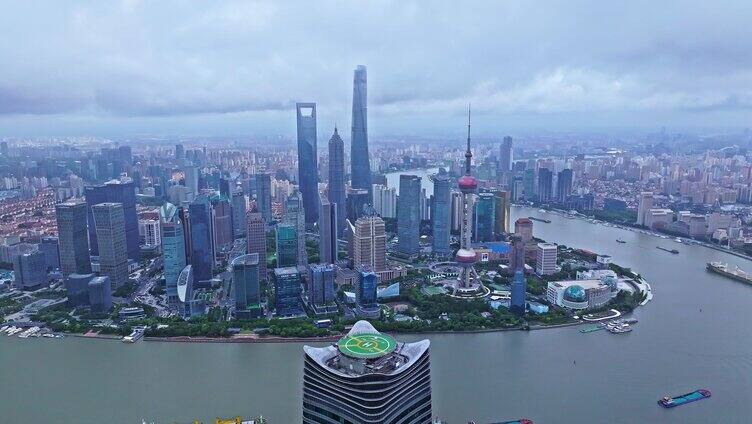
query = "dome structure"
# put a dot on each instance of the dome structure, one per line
(466, 256)
(575, 294)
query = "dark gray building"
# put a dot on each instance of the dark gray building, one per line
(73, 237)
(100, 294)
(77, 289)
(202, 240)
(115, 191)
(287, 292)
(308, 177)
(328, 232)
(359, 160)
(391, 384)
(239, 209)
(321, 284)
(408, 215)
(263, 184)
(50, 247)
(246, 288)
(256, 239)
(109, 222)
(441, 218)
(30, 271)
(336, 184)
(563, 185)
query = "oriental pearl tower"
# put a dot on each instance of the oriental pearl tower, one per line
(469, 283)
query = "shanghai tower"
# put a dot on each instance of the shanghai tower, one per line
(361, 167)
(308, 177)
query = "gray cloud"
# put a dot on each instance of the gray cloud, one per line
(130, 59)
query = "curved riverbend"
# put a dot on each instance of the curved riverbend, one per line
(693, 334)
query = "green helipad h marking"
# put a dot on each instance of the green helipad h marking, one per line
(367, 346)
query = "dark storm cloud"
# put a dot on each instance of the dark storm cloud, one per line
(425, 59)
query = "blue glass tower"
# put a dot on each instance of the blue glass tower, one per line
(245, 281)
(484, 217)
(202, 240)
(287, 245)
(518, 293)
(365, 291)
(287, 291)
(173, 249)
(322, 284)
(336, 187)
(264, 195)
(360, 163)
(115, 192)
(308, 178)
(408, 215)
(440, 219)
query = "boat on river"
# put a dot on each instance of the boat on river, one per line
(672, 251)
(520, 421)
(620, 241)
(724, 269)
(670, 402)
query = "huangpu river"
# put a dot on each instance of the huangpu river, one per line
(695, 333)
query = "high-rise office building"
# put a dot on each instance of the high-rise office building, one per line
(517, 254)
(485, 218)
(77, 289)
(328, 233)
(321, 282)
(517, 303)
(50, 247)
(359, 160)
(190, 173)
(345, 385)
(385, 200)
(545, 185)
(523, 228)
(644, 206)
(441, 217)
(529, 189)
(222, 223)
(100, 294)
(115, 191)
(336, 185)
(308, 177)
(505, 160)
(256, 239)
(546, 256)
(190, 302)
(29, 271)
(202, 241)
(369, 243)
(109, 222)
(287, 292)
(148, 232)
(264, 195)
(365, 288)
(245, 281)
(173, 249)
(287, 245)
(179, 151)
(239, 209)
(73, 237)
(295, 215)
(501, 212)
(563, 185)
(408, 215)
(357, 203)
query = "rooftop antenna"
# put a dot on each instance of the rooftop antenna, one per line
(468, 153)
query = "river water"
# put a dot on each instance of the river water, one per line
(696, 333)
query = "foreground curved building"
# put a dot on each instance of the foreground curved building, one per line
(367, 377)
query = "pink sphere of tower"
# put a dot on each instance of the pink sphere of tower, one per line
(466, 257)
(467, 183)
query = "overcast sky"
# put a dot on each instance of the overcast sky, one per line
(227, 67)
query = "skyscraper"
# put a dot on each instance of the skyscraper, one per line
(485, 217)
(359, 160)
(113, 254)
(308, 177)
(202, 241)
(115, 191)
(408, 215)
(173, 249)
(287, 245)
(385, 200)
(644, 206)
(346, 385)
(190, 173)
(546, 255)
(519, 284)
(441, 219)
(563, 185)
(295, 215)
(369, 243)
(287, 292)
(505, 158)
(328, 233)
(100, 294)
(256, 239)
(545, 185)
(517, 254)
(264, 195)
(245, 281)
(501, 210)
(336, 186)
(73, 237)
(222, 223)
(357, 200)
(321, 284)
(523, 228)
(29, 271)
(239, 209)
(365, 293)
(179, 151)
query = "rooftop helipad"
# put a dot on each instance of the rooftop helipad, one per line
(367, 346)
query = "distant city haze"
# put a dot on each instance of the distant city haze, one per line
(132, 68)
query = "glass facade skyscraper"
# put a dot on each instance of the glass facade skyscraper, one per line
(256, 239)
(441, 216)
(295, 215)
(365, 289)
(73, 238)
(173, 249)
(287, 291)
(408, 215)
(264, 195)
(287, 245)
(321, 284)
(202, 241)
(545, 184)
(116, 191)
(328, 233)
(336, 184)
(308, 178)
(484, 217)
(563, 185)
(245, 281)
(359, 160)
(113, 254)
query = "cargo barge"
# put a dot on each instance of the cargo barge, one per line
(670, 402)
(672, 251)
(724, 269)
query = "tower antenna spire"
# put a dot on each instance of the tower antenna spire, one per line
(468, 153)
